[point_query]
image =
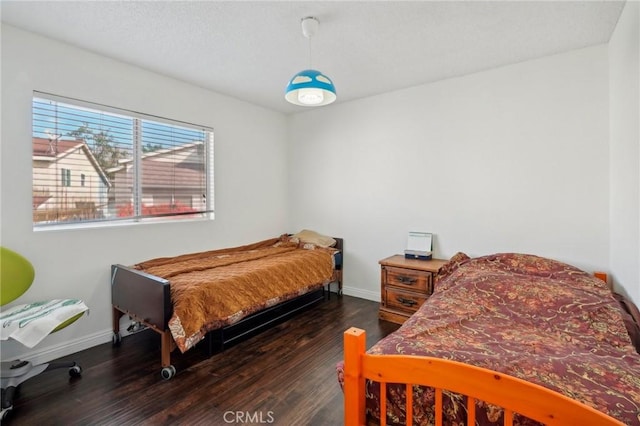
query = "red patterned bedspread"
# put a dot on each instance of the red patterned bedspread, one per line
(530, 317)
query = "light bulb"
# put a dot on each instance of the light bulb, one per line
(310, 96)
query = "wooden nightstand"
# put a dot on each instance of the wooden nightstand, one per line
(405, 284)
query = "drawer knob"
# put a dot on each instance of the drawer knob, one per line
(407, 280)
(406, 302)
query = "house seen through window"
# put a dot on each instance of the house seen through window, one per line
(93, 163)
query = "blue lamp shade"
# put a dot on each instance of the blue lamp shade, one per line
(310, 88)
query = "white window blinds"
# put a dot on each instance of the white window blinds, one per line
(93, 163)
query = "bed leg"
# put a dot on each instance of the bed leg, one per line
(168, 370)
(337, 278)
(354, 398)
(215, 341)
(166, 348)
(116, 320)
(116, 315)
(327, 289)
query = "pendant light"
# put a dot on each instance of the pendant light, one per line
(310, 87)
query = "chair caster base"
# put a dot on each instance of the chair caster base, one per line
(75, 371)
(5, 413)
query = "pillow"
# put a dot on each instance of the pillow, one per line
(311, 237)
(453, 263)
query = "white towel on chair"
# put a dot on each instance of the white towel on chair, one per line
(30, 323)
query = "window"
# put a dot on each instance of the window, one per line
(65, 177)
(127, 166)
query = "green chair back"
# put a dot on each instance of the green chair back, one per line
(16, 275)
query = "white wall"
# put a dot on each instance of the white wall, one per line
(511, 159)
(250, 178)
(624, 76)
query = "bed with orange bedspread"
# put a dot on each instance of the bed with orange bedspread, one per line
(185, 297)
(524, 316)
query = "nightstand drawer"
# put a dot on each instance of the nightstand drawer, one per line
(410, 279)
(405, 284)
(404, 301)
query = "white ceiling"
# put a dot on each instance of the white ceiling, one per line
(249, 50)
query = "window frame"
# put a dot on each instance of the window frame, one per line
(65, 179)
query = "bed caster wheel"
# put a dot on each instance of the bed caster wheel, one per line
(116, 339)
(75, 371)
(168, 372)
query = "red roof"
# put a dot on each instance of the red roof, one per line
(50, 148)
(159, 170)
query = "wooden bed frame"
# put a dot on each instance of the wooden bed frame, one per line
(514, 395)
(146, 299)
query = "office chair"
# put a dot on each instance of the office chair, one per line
(16, 276)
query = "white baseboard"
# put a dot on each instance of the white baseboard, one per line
(67, 348)
(363, 294)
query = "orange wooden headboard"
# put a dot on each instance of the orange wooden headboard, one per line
(514, 395)
(604, 277)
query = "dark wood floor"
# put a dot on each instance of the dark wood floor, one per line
(283, 376)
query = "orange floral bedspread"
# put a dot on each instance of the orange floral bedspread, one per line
(216, 288)
(530, 317)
